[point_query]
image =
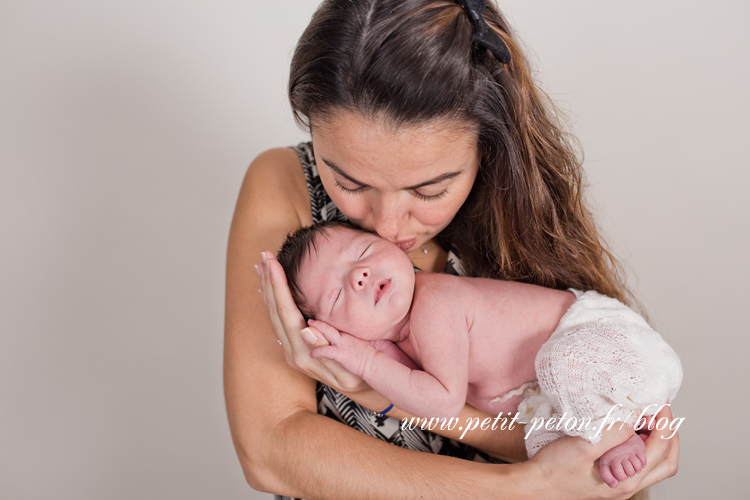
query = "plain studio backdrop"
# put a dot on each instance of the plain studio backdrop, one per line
(125, 131)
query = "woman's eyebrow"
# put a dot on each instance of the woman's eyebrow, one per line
(343, 174)
(435, 180)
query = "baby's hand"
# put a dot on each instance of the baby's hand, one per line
(349, 351)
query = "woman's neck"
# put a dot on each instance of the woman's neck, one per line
(433, 261)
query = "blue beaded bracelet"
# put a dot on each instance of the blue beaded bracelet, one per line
(382, 413)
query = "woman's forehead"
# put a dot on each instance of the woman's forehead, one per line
(372, 150)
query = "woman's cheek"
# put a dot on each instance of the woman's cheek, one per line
(439, 217)
(354, 209)
(432, 215)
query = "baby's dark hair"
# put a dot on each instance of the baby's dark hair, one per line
(296, 247)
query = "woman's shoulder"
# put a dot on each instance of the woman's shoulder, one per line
(278, 165)
(276, 181)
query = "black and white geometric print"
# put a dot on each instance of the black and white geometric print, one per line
(323, 209)
(335, 405)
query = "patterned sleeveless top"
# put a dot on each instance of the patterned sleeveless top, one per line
(334, 405)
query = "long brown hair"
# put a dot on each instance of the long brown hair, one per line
(413, 61)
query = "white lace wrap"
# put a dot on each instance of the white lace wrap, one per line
(600, 355)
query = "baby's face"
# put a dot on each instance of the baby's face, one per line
(357, 282)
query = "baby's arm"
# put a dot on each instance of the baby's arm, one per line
(392, 350)
(440, 393)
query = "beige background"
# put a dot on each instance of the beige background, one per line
(125, 130)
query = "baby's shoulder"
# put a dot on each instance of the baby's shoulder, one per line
(440, 307)
(433, 291)
(435, 283)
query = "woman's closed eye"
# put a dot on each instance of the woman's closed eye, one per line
(348, 190)
(421, 196)
(430, 197)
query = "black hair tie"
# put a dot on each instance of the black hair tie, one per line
(484, 36)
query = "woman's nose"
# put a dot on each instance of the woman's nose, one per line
(360, 277)
(389, 218)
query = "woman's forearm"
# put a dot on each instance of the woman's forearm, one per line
(311, 456)
(473, 427)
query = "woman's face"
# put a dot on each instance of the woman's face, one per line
(405, 184)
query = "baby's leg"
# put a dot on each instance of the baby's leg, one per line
(623, 461)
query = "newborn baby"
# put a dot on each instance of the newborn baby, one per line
(482, 341)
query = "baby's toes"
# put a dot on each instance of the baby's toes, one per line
(641, 455)
(618, 471)
(605, 472)
(637, 464)
(628, 467)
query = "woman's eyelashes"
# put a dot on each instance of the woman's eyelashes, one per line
(423, 197)
(430, 197)
(348, 190)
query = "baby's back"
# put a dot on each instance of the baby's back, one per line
(506, 324)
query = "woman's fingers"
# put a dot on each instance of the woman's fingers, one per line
(662, 451)
(282, 310)
(269, 298)
(287, 310)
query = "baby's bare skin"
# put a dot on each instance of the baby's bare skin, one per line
(450, 334)
(623, 461)
(465, 353)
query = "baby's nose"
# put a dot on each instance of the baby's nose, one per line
(360, 277)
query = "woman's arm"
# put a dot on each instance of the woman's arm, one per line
(284, 446)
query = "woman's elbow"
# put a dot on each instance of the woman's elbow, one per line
(256, 468)
(259, 450)
(265, 450)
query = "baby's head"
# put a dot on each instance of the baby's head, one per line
(353, 280)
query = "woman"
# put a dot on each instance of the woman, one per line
(428, 130)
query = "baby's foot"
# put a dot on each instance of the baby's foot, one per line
(623, 461)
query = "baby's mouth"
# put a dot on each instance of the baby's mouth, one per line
(381, 288)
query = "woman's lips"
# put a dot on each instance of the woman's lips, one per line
(406, 244)
(381, 288)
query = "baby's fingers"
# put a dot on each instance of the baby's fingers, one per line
(314, 337)
(330, 333)
(328, 352)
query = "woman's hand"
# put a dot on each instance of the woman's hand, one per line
(570, 463)
(349, 351)
(296, 340)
